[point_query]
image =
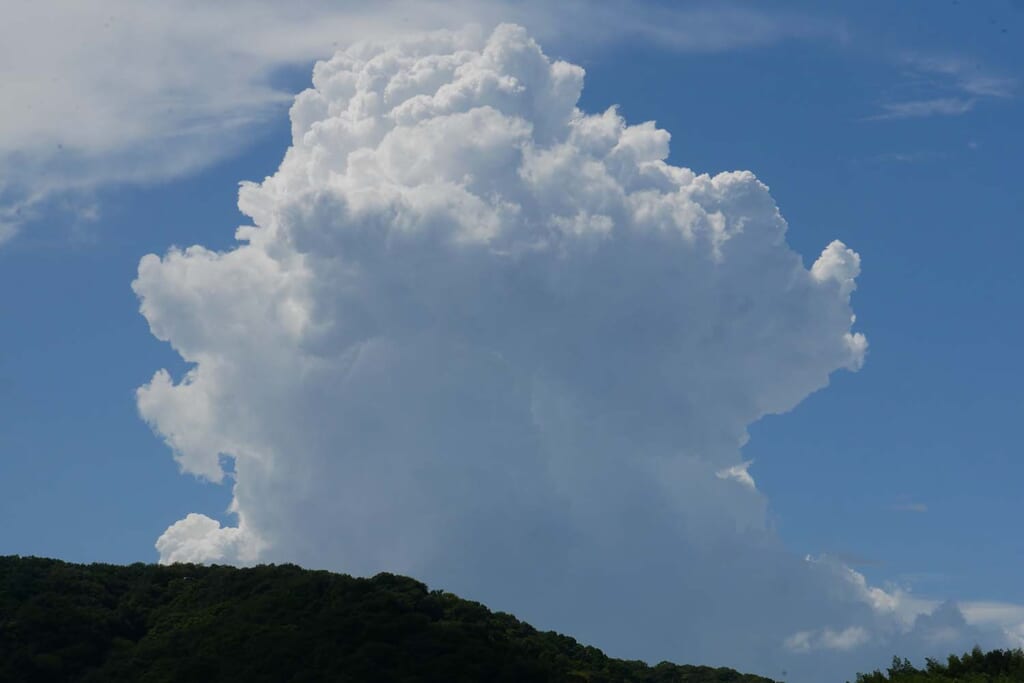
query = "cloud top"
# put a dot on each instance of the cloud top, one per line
(119, 91)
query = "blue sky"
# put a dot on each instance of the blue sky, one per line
(895, 128)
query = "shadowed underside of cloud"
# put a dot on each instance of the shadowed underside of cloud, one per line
(481, 337)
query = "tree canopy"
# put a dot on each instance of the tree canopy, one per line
(63, 622)
(183, 622)
(997, 666)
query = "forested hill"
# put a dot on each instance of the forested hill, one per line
(72, 622)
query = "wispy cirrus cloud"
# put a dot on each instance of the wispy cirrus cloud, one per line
(937, 106)
(693, 27)
(968, 75)
(907, 157)
(944, 86)
(910, 507)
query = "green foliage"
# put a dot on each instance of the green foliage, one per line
(103, 623)
(997, 666)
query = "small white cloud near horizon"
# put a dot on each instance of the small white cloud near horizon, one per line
(846, 639)
(200, 539)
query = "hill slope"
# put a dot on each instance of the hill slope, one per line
(71, 622)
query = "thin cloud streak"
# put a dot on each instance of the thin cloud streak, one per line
(945, 86)
(910, 507)
(968, 75)
(939, 106)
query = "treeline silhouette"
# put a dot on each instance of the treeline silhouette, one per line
(997, 666)
(63, 622)
(95, 623)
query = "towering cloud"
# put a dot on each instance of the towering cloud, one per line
(479, 336)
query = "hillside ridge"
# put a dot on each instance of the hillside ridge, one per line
(61, 621)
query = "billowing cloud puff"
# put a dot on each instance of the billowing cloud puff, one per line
(479, 336)
(120, 91)
(197, 538)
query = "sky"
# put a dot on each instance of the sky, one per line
(491, 331)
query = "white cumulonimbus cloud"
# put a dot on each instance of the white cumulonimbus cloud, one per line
(479, 336)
